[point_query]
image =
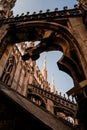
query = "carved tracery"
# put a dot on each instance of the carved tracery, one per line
(59, 39)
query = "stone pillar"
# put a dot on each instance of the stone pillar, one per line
(82, 105)
(82, 114)
(4, 58)
(79, 31)
(5, 47)
(17, 76)
(81, 98)
(25, 84)
(50, 106)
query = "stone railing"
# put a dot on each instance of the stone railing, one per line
(65, 13)
(58, 99)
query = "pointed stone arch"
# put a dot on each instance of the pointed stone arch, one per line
(52, 36)
(8, 72)
(66, 111)
(34, 95)
(61, 39)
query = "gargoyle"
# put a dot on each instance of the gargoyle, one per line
(44, 45)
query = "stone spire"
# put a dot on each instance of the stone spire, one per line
(53, 86)
(44, 71)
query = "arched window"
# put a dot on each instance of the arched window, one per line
(10, 68)
(7, 77)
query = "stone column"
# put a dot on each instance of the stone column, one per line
(4, 58)
(82, 105)
(81, 98)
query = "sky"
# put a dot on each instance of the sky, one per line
(23, 6)
(63, 82)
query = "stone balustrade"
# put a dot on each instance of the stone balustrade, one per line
(65, 13)
(54, 97)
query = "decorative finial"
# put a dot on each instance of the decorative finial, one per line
(53, 86)
(44, 71)
(45, 62)
(65, 7)
(56, 9)
(28, 13)
(48, 10)
(40, 11)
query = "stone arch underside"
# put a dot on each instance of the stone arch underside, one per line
(66, 111)
(37, 97)
(52, 36)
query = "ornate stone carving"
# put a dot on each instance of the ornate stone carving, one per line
(5, 7)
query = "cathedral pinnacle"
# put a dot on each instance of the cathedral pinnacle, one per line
(53, 86)
(44, 63)
(44, 71)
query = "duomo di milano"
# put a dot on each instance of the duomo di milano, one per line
(27, 101)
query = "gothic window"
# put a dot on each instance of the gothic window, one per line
(6, 66)
(2, 77)
(21, 77)
(10, 68)
(7, 77)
